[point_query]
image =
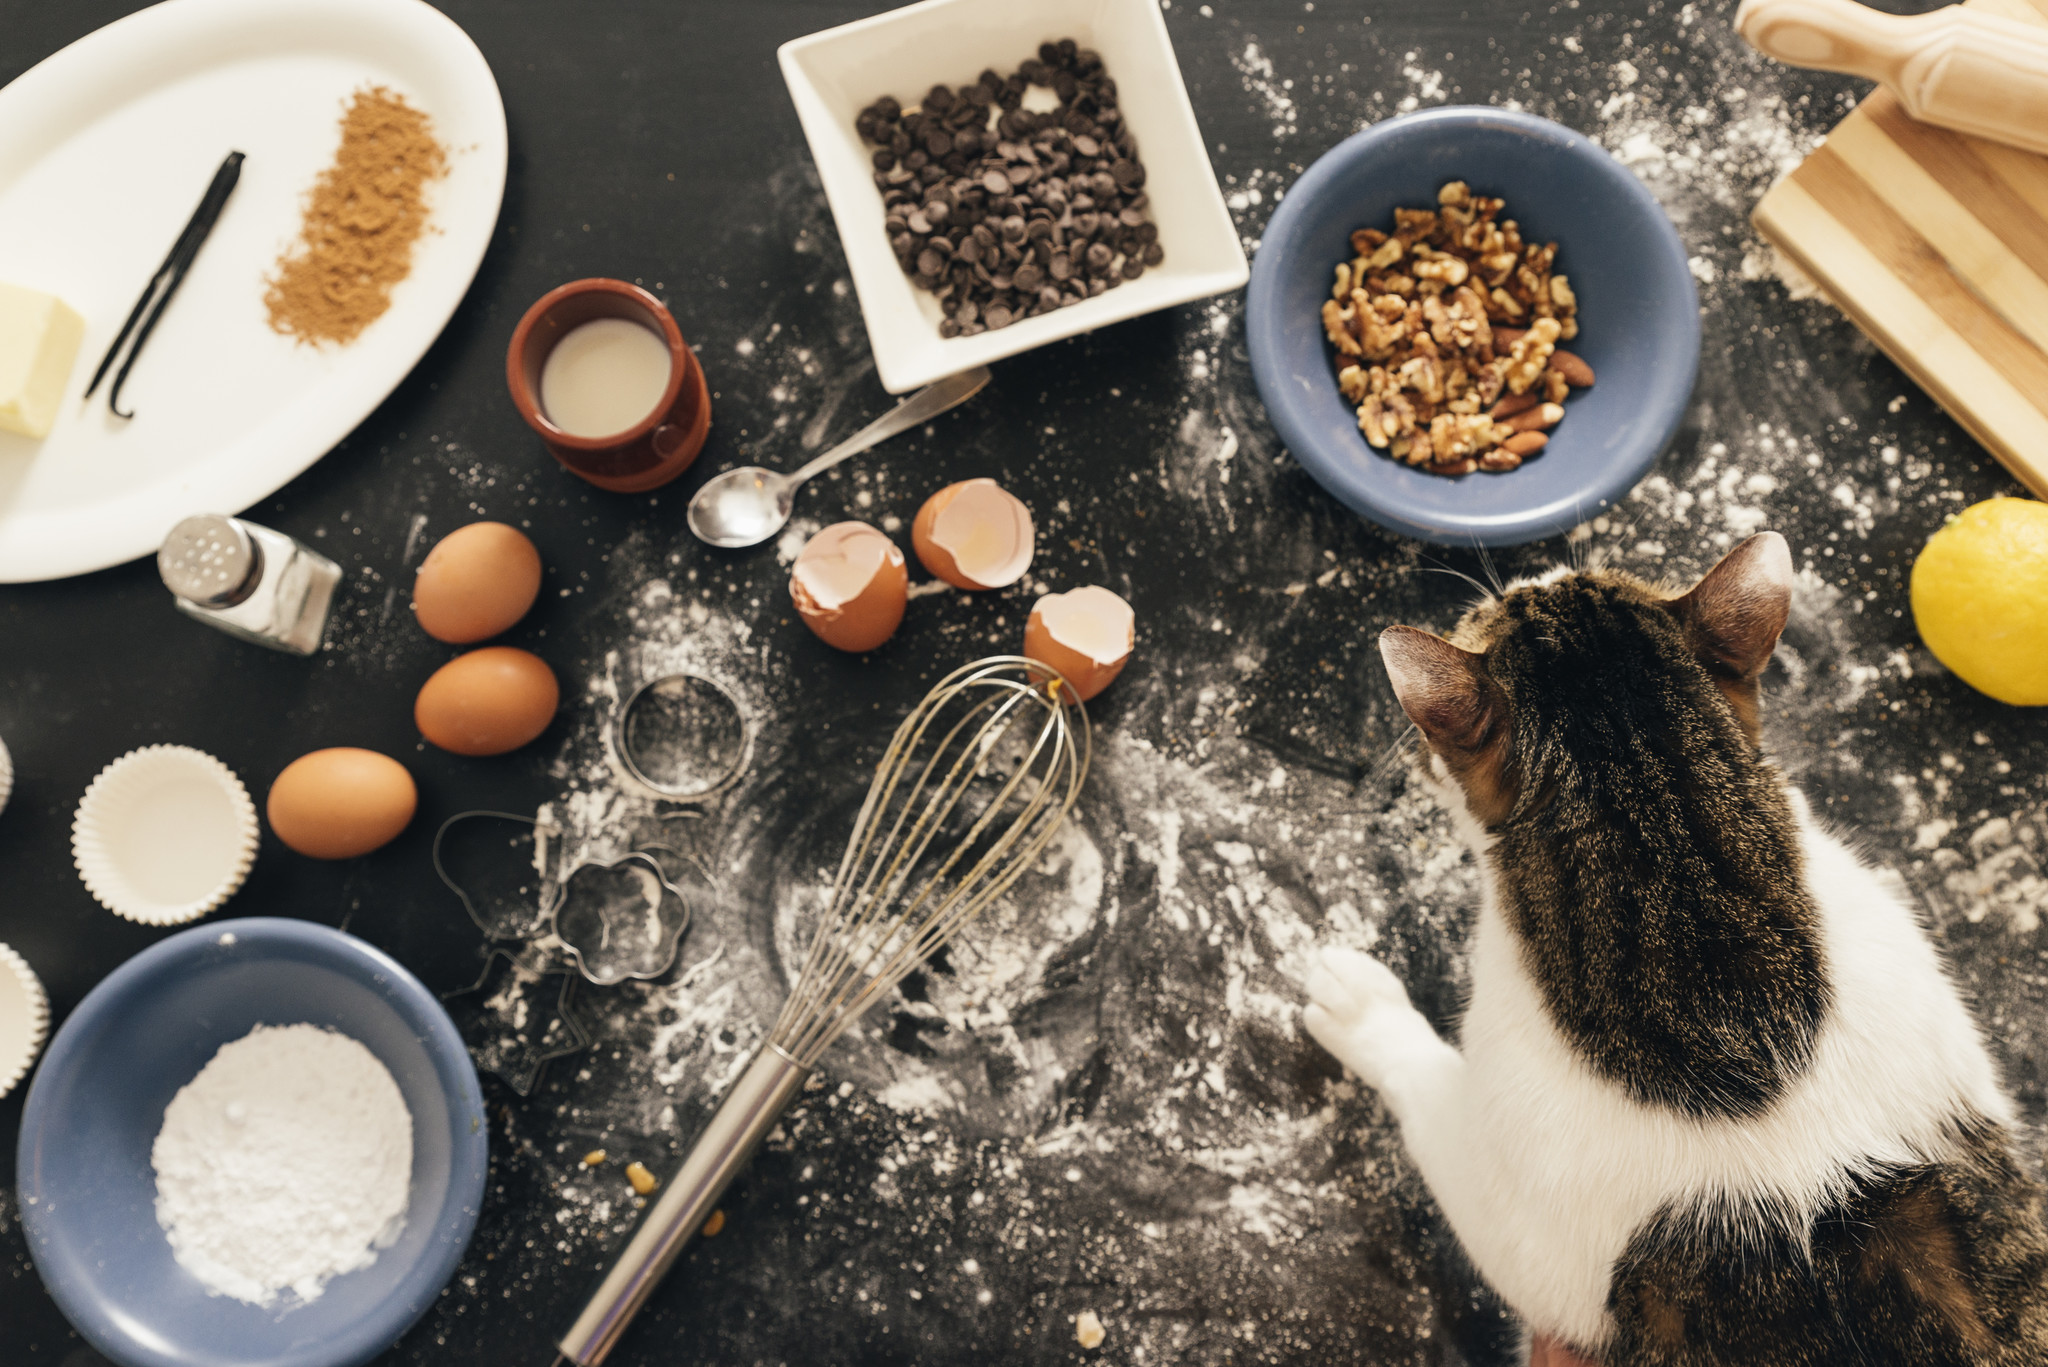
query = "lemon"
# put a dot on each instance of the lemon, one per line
(1980, 598)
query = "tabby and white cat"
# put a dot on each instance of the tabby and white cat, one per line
(1715, 1102)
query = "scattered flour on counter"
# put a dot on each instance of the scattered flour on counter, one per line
(1256, 69)
(285, 1162)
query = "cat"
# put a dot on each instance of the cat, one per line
(1715, 1101)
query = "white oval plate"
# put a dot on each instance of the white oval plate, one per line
(105, 150)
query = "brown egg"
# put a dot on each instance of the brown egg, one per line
(476, 583)
(487, 702)
(1085, 634)
(850, 586)
(337, 804)
(974, 535)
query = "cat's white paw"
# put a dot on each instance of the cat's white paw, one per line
(1360, 1012)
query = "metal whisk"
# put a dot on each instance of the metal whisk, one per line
(974, 785)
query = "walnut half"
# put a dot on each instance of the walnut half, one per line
(1446, 334)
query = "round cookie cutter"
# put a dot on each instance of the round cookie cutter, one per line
(683, 737)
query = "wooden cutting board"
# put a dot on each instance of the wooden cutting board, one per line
(1936, 244)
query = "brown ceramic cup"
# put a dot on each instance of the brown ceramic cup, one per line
(654, 450)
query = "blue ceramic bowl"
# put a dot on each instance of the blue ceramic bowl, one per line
(1638, 314)
(88, 1193)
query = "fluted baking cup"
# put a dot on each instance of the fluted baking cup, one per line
(6, 775)
(164, 835)
(24, 1018)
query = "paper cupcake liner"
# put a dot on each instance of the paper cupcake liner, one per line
(150, 849)
(24, 1018)
(6, 775)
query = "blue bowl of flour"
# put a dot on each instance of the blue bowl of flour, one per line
(88, 1192)
(1638, 314)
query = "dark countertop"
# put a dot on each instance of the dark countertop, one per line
(1103, 1103)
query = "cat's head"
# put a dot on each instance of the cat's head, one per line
(1535, 688)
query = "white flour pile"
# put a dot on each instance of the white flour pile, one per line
(287, 1161)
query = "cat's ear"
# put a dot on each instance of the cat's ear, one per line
(1735, 614)
(1443, 689)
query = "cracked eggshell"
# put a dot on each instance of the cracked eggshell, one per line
(487, 702)
(974, 535)
(1086, 634)
(850, 586)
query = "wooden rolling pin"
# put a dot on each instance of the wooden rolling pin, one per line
(1975, 72)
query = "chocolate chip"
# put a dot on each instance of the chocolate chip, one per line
(1044, 210)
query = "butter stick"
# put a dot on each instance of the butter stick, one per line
(39, 337)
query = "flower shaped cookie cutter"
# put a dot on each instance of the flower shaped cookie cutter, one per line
(620, 919)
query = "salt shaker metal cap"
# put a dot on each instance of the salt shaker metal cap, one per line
(211, 560)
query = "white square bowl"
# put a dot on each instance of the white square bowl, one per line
(835, 74)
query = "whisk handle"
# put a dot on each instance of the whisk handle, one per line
(736, 1129)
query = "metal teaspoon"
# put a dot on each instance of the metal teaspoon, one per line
(747, 505)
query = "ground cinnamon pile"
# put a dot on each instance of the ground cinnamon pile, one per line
(362, 217)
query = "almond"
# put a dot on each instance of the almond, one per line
(1575, 371)
(1511, 404)
(1534, 419)
(1525, 444)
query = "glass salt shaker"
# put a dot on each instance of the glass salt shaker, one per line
(249, 581)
